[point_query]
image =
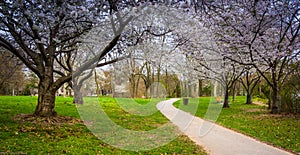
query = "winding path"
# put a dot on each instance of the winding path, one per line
(215, 139)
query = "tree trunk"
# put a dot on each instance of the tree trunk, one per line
(199, 87)
(78, 99)
(148, 90)
(167, 84)
(259, 91)
(157, 94)
(13, 91)
(269, 98)
(249, 98)
(226, 99)
(137, 87)
(233, 92)
(46, 99)
(133, 86)
(274, 106)
(98, 90)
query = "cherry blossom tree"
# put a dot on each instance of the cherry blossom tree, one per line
(263, 34)
(215, 67)
(39, 32)
(45, 35)
(143, 38)
(249, 79)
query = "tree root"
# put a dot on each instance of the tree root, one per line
(57, 120)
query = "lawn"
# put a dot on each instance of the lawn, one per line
(253, 120)
(76, 138)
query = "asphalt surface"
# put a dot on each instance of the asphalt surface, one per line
(215, 139)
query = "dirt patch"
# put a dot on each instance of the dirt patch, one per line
(260, 103)
(255, 110)
(57, 120)
(294, 116)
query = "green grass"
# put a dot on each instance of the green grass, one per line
(136, 114)
(31, 138)
(253, 120)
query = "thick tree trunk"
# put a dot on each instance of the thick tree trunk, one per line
(226, 99)
(148, 90)
(46, 100)
(269, 98)
(274, 106)
(78, 99)
(249, 98)
(133, 85)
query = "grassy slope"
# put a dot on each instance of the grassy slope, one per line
(255, 121)
(75, 139)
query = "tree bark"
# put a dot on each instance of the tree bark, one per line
(233, 92)
(157, 94)
(199, 87)
(249, 98)
(133, 85)
(269, 96)
(137, 87)
(13, 91)
(274, 106)
(98, 90)
(46, 99)
(78, 99)
(226, 99)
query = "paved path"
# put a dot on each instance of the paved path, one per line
(215, 139)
